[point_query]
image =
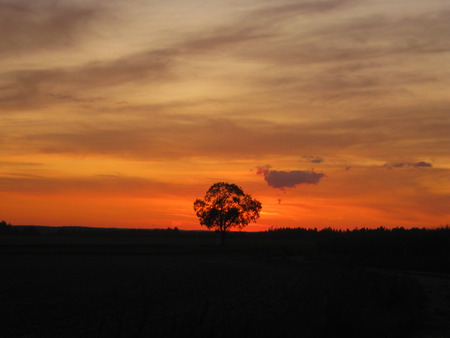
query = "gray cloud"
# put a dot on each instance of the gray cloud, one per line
(420, 164)
(158, 134)
(258, 37)
(351, 50)
(25, 88)
(360, 57)
(423, 164)
(288, 179)
(279, 12)
(26, 26)
(420, 33)
(362, 39)
(241, 37)
(223, 38)
(312, 159)
(260, 23)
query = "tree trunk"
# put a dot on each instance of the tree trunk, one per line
(220, 237)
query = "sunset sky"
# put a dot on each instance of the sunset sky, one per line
(122, 113)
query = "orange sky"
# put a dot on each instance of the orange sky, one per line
(123, 113)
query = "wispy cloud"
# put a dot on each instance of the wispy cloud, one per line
(420, 164)
(312, 159)
(282, 11)
(28, 26)
(157, 134)
(100, 184)
(32, 87)
(19, 164)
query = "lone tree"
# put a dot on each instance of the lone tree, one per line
(225, 206)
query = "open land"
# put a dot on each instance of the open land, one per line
(81, 282)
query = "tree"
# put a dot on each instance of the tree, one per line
(5, 227)
(225, 206)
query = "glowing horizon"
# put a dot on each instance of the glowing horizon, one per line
(331, 113)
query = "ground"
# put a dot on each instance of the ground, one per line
(201, 291)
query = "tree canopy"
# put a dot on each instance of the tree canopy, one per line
(225, 205)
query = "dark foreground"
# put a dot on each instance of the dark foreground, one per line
(170, 287)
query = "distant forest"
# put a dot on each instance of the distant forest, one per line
(397, 248)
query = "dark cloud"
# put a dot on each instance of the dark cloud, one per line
(349, 48)
(223, 38)
(27, 26)
(420, 33)
(25, 88)
(356, 56)
(423, 164)
(257, 24)
(394, 165)
(160, 135)
(358, 40)
(312, 159)
(278, 12)
(288, 179)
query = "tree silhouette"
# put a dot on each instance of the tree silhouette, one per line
(5, 227)
(225, 206)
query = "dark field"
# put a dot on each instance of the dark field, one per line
(177, 284)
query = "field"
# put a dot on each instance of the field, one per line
(176, 284)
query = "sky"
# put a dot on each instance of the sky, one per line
(332, 113)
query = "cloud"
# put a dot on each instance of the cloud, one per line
(352, 53)
(420, 164)
(158, 133)
(312, 159)
(31, 87)
(223, 38)
(288, 179)
(361, 39)
(43, 25)
(288, 9)
(19, 164)
(75, 99)
(359, 57)
(423, 164)
(259, 23)
(99, 184)
(198, 122)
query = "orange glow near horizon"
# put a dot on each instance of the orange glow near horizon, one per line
(135, 209)
(330, 113)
